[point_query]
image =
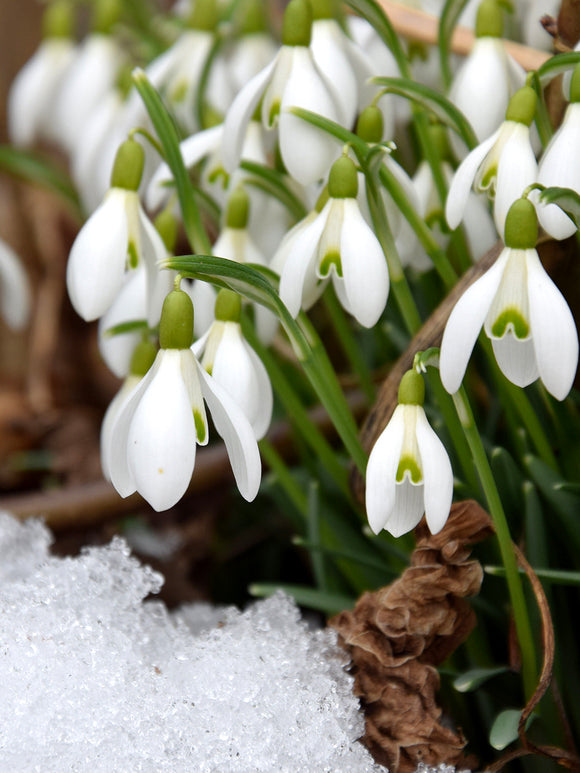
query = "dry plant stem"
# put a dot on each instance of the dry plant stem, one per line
(566, 759)
(421, 26)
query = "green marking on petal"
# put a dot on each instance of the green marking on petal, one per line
(330, 259)
(133, 255)
(409, 464)
(514, 318)
(179, 92)
(488, 178)
(274, 112)
(219, 173)
(200, 429)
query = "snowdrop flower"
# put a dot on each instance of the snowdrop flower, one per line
(339, 245)
(234, 365)
(33, 92)
(154, 435)
(488, 77)
(531, 328)
(560, 165)
(503, 164)
(291, 80)
(409, 472)
(118, 236)
(235, 243)
(14, 289)
(253, 49)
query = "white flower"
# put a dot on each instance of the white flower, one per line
(337, 244)
(291, 80)
(503, 165)
(235, 366)
(32, 95)
(484, 84)
(14, 288)
(408, 474)
(118, 236)
(87, 81)
(153, 441)
(560, 167)
(531, 328)
(250, 54)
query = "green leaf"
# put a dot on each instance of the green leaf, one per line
(471, 680)
(509, 480)
(436, 103)
(353, 556)
(378, 19)
(567, 199)
(557, 65)
(552, 576)
(29, 166)
(271, 181)
(332, 128)
(505, 728)
(329, 603)
(451, 12)
(131, 326)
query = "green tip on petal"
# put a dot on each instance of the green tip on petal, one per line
(203, 16)
(228, 306)
(297, 24)
(166, 225)
(58, 20)
(522, 106)
(343, 180)
(489, 20)
(143, 357)
(128, 166)
(369, 126)
(238, 209)
(521, 225)
(575, 85)
(107, 13)
(176, 325)
(412, 389)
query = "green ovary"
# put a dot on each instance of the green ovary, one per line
(510, 318)
(328, 261)
(409, 464)
(199, 426)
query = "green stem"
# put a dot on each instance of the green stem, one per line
(520, 612)
(349, 344)
(283, 476)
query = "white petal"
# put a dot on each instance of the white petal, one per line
(158, 281)
(129, 305)
(479, 226)
(553, 331)
(516, 359)
(250, 54)
(161, 437)
(267, 324)
(96, 264)
(516, 169)
(239, 115)
(437, 474)
(364, 267)
(327, 48)
(465, 322)
(299, 272)
(14, 288)
(238, 435)
(203, 296)
(408, 508)
(382, 470)
(109, 420)
(307, 152)
(463, 180)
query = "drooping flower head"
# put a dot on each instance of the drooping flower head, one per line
(531, 328)
(409, 472)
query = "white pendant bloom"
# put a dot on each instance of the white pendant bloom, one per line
(531, 328)
(337, 244)
(14, 289)
(560, 167)
(503, 165)
(291, 80)
(409, 472)
(153, 439)
(234, 365)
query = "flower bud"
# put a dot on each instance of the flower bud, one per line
(369, 126)
(489, 21)
(238, 209)
(176, 325)
(228, 306)
(297, 24)
(128, 166)
(522, 106)
(412, 389)
(521, 225)
(166, 226)
(143, 357)
(343, 180)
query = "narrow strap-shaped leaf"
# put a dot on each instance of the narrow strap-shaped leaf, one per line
(436, 103)
(449, 16)
(376, 17)
(271, 181)
(557, 65)
(471, 680)
(329, 603)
